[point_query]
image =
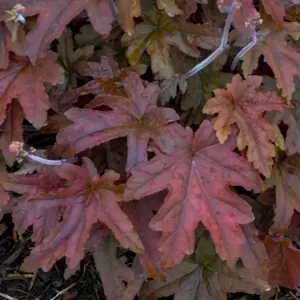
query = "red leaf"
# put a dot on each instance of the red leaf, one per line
(136, 117)
(54, 15)
(4, 47)
(43, 216)
(64, 217)
(12, 130)
(25, 82)
(285, 262)
(198, 176)
(4, 195)
(140, 214)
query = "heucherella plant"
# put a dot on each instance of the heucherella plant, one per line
(176, 128)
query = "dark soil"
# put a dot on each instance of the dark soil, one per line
(85, 284)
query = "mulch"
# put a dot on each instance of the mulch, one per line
(85, 284)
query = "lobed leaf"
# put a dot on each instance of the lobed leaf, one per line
(285, 178)
(111, 270)
(207, 278)
(25, 82)
(135, 116)
(155, 36)
(284, 257)
(155, 289)
(241, 104)
(128, 10)
(198, 176)
(63, 212)
(54, 15)
(283, 60)
(290, 117)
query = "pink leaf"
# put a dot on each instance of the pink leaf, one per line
(64, 217)
(135, 116)
(54, 15)
(140, 214)
(198, 176)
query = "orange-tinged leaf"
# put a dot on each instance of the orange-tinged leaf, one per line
(127, 10)
(64, 217)
(169, 6)
(285, 262)
(285, 63)
(135, 116)
(285, 177)
(25, 82)
(198, 176)
(241, 104)
(283, 60)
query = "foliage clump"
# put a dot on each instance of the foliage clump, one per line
(175, 133)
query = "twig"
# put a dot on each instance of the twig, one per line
(18, 149)
(7, 297)
(247, 48)
(63, 291)
(50, 162)
(294, 296)
(223, 45)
